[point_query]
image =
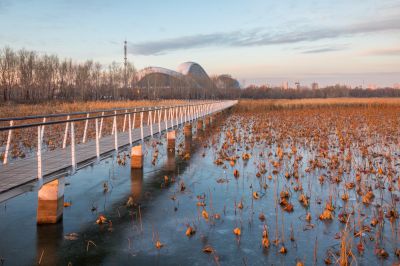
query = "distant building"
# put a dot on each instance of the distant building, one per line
(314, 86)
(285, 85)
(297, 84)
(227, 82)
(190, 80)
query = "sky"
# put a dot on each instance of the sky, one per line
(352, 42)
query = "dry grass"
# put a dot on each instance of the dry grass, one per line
(13, 110)
(269, 104)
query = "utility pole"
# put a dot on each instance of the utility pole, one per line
(125, 66)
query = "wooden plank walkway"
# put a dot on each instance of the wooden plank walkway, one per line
(17, 173)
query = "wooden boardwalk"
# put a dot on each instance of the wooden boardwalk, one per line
(16, 175)
(19, 172)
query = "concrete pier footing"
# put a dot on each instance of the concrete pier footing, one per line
(137, 157)
(207, 121)
(171, 135)
(200, 124)
(187, 130)
(51, 202)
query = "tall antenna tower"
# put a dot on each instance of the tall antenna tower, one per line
(125, 65)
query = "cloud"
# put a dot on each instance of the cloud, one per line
(186, 42)
(384, 52)
(323, 50)
(261, 37)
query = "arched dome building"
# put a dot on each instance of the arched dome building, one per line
(189, 81)
(227, 82)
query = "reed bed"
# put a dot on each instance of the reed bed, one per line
(271, 104)
(13, 110)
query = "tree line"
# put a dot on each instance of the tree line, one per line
(30, 77)
(262, 92)
(26, 76)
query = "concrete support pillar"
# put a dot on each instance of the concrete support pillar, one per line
(187, 130)
(137, 157)
(51, 202)
(200, 124)
(171, 135)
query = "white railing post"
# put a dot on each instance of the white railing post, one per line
(73, 159)
(115, 132)
(159, 121)
(39, 157)
(141, 125)
(124, 125)
(85, 130)
(173, 117)
(42, 130)
(151, 123)
(181, 114)
(97, 140)
(165, 119)
(101, 124)
(185, 110)
(130, 129)
(176, 116)
(134, 119)
(170, 115)
(5, 159)
(113, 126)
(66, 133)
